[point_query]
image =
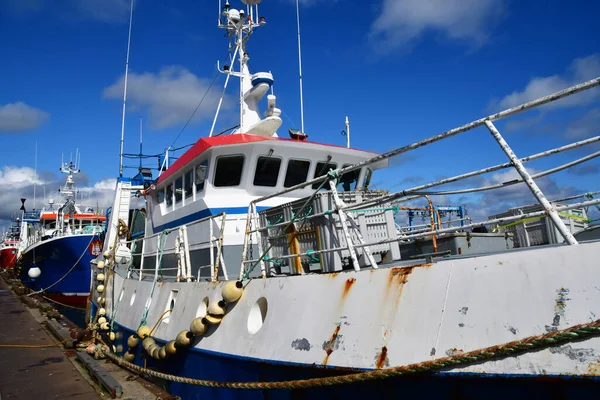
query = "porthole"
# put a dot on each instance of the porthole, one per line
(257, 315)
(201, 312)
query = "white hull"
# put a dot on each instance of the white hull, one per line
(416, 314)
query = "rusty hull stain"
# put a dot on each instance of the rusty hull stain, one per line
(347, 286)
(594, 369)
(382, 359)
(329, 346)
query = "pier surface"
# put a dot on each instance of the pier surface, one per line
(34, 373)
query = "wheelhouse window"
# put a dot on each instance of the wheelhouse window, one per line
(169, 195)
(229, 171)
(322, 169)
(201, 175)
(349, 180)
(160, 196)
(297, 172)
(188, 184)
(267, 171)
(178, 189)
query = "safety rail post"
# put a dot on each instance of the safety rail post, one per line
(220, 259)
(537, 192)
(245, 247)
(263, 266)
(157, 258)
(212, 256)
(342, 215)
(339, 204)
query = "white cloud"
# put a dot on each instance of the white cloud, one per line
(580, 70)
(106, 184)
(19, 117)
(170, 96)
(402, 22)
(18, 182)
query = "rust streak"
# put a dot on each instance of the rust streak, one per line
(382, 358)
(347, 286)
(329, 349)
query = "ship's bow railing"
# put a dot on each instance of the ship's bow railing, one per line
(351, 232)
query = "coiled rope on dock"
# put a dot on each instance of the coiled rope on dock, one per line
(513, 348)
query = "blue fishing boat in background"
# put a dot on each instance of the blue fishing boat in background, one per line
(57, 244)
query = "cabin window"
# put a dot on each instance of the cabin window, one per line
(349, 180)
(229, 171)
(160, 196)
(178, 189)
(322, 169)
(201, 175)
(297, 172)
(267, 171)
(169, 195)
(188, 184)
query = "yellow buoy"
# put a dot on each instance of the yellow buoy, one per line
(198, 326)
(100, 265)
(101, 320)
(102, 312)
(143, 331)
(184, 338)
(133, 341)
(151, 349)
(147, 343)
(215, 312)
(100, 301)
(108, 254)
(162, 354)
(100, 277)
(104, 326)
(100, 288)
(129, 356)
(232, 291)
(111, 336)
(170, 348)
(155, 352)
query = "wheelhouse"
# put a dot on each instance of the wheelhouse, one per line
(225, 174)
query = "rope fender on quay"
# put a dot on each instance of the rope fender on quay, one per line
(531, 343)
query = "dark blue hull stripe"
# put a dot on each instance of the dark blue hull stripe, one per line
(201, 364)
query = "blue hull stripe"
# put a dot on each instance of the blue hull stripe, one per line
(200, 364)
(202, 214)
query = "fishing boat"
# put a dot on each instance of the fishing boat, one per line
(57, 244)
(8, 245)
(269, 268)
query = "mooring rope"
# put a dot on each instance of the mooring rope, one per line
(531, 343)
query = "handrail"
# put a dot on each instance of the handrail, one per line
(341, 209)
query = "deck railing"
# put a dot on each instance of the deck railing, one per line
(344, 211)
(181, 247)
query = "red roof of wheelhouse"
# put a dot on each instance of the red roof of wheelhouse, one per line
(206, 143)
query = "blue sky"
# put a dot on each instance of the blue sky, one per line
(402, 70)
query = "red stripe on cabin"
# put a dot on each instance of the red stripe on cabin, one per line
(77, 216)
(204, 144)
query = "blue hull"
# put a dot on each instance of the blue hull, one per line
(55, 258)
(197, 364)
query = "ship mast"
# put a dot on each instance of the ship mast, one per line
(240, 24)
